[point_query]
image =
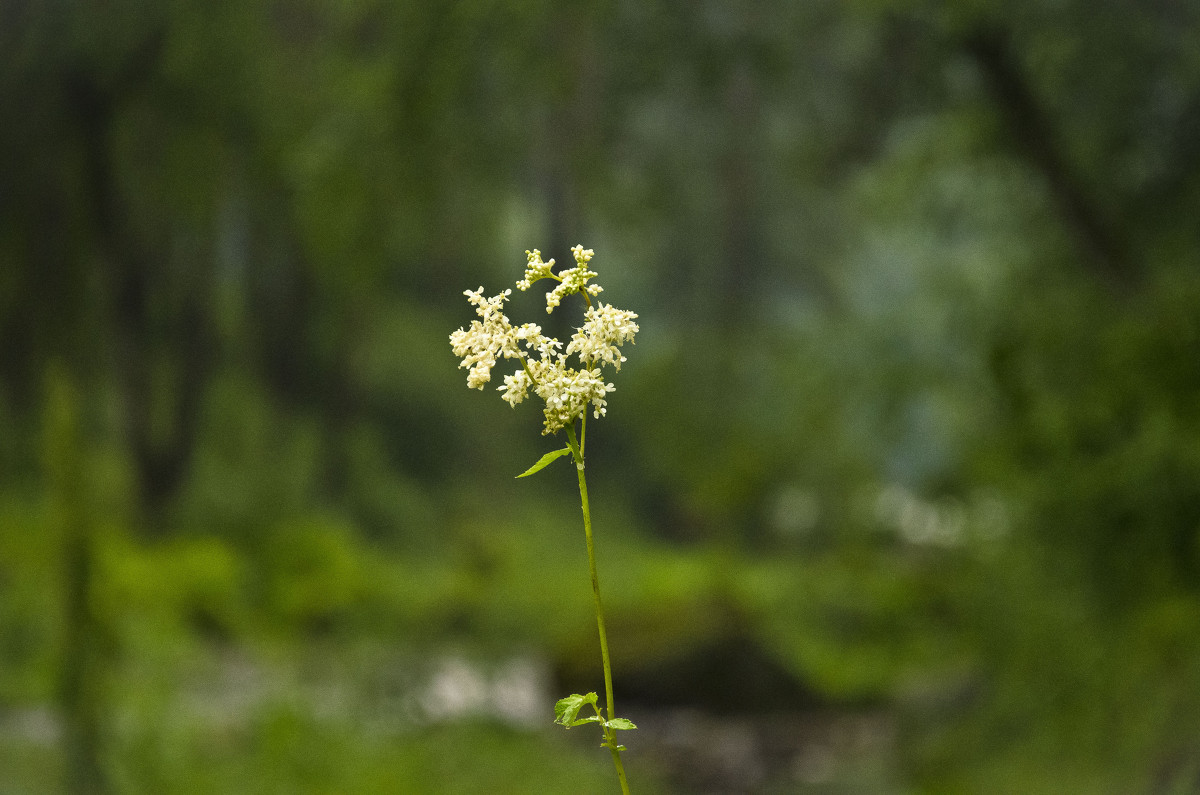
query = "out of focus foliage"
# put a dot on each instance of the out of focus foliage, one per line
(912, 426)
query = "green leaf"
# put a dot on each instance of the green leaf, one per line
(544, 461)
(581, 721)
(567, 709)
(620, 723)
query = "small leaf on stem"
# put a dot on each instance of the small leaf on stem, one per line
(590, 719)
(567, 709)
(544, 461)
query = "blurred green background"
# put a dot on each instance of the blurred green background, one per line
(899, 490)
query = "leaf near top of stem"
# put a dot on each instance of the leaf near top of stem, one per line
(544, 461)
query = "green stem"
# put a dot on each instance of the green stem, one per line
(616, 755)
(609, 734)
(583, 434)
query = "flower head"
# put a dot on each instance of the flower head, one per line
(487, 338)
(535, 269)
(604, 329)
(574, 280)
(567, 391)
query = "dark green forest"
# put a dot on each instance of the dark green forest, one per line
(899, 490)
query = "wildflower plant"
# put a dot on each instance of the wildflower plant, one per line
(569, 380)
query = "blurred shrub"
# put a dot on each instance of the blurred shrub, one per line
(181, 586)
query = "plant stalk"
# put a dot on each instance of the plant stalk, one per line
(609, 734)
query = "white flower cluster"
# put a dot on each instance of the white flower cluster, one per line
(486, 339)
(604, 329)
(572, 281)
(566, 391)
(535, 269)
